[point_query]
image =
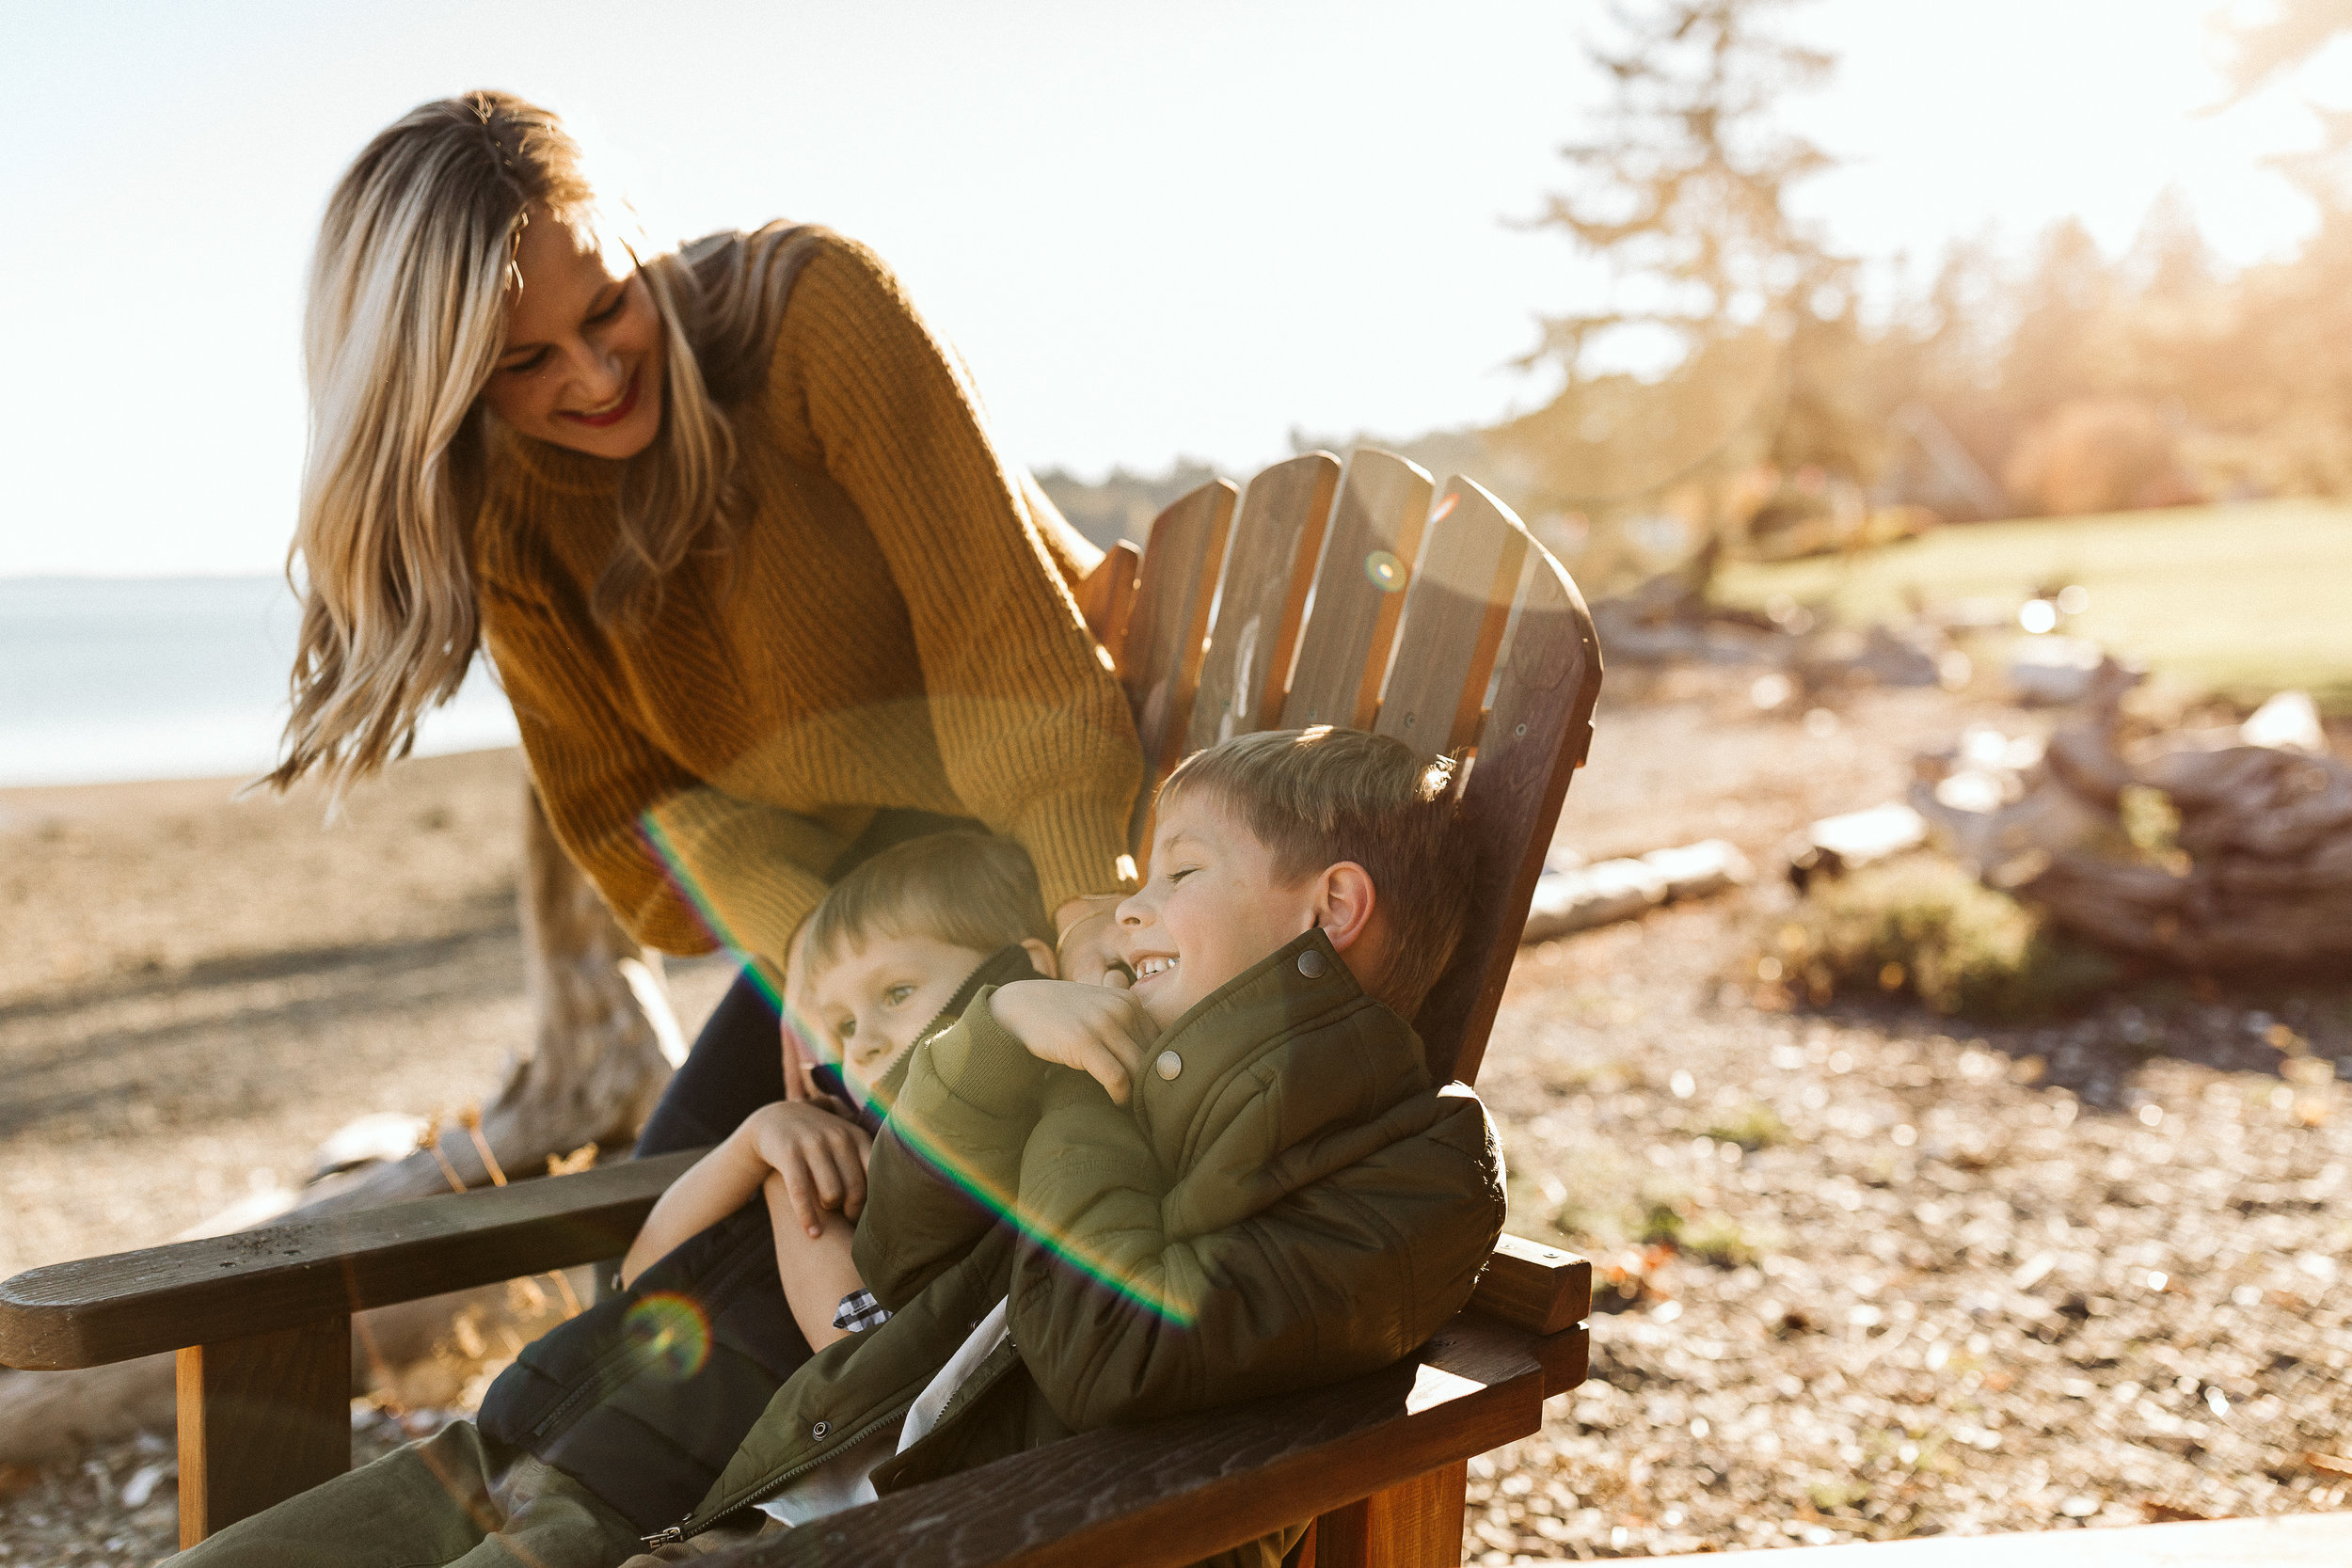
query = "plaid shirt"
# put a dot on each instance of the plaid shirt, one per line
(859, 1311)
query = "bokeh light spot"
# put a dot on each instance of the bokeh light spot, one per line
(674, 1330)
(1385, 570)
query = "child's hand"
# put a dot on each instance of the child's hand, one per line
(1100, 1031)
(820, 1156)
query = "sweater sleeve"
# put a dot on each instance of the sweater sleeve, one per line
(670, 855)
(1031, 725)
(1123, 1319)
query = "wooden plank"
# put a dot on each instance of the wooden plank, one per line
(1567, 1359)
(261, 1418)
(1540, 1289)
(1113, 597)
(1531, 742)
(1375, 533)
(1162, 656)
(1169, 1493)
(1415, 1525)
(1453, 617)
(99, 1311)
(1270, 568)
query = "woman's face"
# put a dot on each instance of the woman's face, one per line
(582, 362)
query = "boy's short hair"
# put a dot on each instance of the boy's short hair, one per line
(963, 888)
(1320, 796)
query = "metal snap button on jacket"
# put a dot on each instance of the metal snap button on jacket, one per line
(1170, 1064)
(820, 1429)
(1311, 964)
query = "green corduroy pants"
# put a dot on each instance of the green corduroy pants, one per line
(456, 1498)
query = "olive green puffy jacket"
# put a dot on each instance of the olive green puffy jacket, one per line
(1286, 1201)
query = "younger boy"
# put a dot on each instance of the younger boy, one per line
(896, 948)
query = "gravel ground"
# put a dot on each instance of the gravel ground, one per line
(1924, 1277)
(1960, 1280)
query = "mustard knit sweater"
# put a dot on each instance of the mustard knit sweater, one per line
(891, 625)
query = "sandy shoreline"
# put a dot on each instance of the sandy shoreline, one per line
(195, 988)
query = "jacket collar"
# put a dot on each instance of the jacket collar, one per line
(1301, 987)
(1003, 966)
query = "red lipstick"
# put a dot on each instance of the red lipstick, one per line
(619, 412)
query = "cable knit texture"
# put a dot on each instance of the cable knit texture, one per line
(891, 625)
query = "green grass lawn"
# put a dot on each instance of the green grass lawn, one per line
(2243, 599)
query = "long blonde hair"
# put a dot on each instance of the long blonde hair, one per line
(409, 299)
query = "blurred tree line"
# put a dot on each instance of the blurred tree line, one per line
(1730, 393)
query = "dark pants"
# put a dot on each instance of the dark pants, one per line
(736, 1065)
(453, 1498)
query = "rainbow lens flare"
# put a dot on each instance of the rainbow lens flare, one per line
(677, 1325)
(672, 1330)
(1385, 570)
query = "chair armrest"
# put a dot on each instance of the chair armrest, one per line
(1529, 1286)
(1173, 1491)
(98, 1310)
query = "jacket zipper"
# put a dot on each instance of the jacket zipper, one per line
(768, 1486)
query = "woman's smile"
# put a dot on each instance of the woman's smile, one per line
(611, 413)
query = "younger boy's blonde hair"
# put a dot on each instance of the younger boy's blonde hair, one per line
(967, 889)
(1321, 795)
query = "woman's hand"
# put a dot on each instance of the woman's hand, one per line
(820, 1156)
(1100, 1030)
(1085, 948)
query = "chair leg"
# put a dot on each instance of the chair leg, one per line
(1416, 1524)
(261, 1418)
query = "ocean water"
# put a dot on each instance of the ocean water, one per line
(113, 678)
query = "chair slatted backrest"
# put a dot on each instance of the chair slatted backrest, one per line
(1448, 628)
(1531, 741)
(1122, 565)
(1261, 605)
(1367, 556)
(1455, 614)
(1160, 658)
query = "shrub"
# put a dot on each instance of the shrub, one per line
(1717, 1239)
(1923, 926)
(1752, 1126)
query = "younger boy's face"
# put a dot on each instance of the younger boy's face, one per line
(1213, 907)
(875, 998)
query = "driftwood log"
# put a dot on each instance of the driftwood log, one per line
(2257, 872)
(603, 1043)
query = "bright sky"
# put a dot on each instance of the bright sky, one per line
(1150, 229)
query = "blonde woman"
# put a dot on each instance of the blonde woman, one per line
(730, 523)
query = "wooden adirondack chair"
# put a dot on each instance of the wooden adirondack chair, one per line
(1318, 596)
